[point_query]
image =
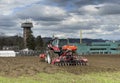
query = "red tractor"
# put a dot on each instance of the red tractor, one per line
(60, 53)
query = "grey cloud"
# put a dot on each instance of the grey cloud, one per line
(7, 21)
(40, 13)
(8, 25)
(95, 2)
(48, 23)
(108, 9)
(110, 6)
(68, 28)
(67, 16)
(79, 3)
(110, 28)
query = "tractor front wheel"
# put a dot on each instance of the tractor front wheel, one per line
(48, 59)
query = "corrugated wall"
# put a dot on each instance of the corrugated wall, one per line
(98, 48)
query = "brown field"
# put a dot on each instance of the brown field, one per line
(30, 65)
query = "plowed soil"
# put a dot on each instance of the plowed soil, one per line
(31, 65)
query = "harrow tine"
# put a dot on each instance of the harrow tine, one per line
(68, 64)
(76, 63)
(60, 64)
(65, 63)
(81, 63)
(57, 64)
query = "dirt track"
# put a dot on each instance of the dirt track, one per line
(20, 66)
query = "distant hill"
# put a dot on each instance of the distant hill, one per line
(77, 40)
(85, 40)
(46, 39)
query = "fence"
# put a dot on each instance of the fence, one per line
(30, 52)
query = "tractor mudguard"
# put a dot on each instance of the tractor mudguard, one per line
(42, 56)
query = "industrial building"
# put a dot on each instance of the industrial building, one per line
(108, 47)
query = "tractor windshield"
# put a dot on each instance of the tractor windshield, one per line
(63, 42)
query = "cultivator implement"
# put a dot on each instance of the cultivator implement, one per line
(70, 63)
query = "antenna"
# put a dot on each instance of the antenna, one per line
(80, 36)
(53, 36)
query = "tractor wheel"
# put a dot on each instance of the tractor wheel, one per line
(48, 59)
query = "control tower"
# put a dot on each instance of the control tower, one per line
(26, 31)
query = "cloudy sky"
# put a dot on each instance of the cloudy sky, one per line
(96, 18)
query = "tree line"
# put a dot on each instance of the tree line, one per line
(33, 43)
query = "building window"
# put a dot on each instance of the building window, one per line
(113, 48)
(105, 52)
(118, 44)
(101, 45)
(97, 48)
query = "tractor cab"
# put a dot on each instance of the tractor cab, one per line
(57, 43)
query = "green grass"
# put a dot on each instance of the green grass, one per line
(64, 77)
